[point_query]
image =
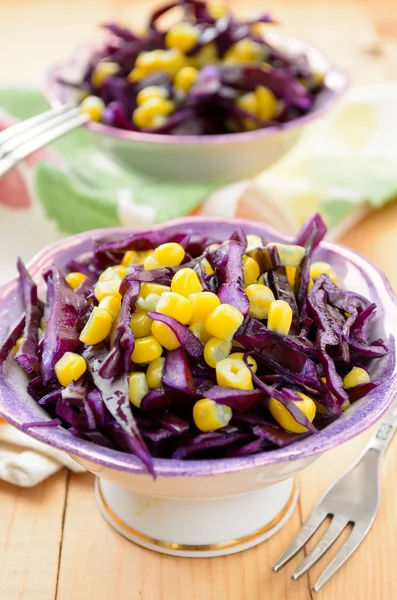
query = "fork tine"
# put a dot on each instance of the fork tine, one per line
(19, 128)
(32, 130)
(308, 529)
(353, 541)
(334, 530)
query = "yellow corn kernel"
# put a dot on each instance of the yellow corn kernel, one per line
(97, 327)
(137, 388)
(209, 415)
(121, 271)
(207, 267)
(149, 304)
(251, 270)
(251, 361)
(253, 242)
(39, 332)
(207, 55)
(284, 417)
(203, 304)
(103, 71)
(357, 376)
(217, 10)
(199, 330)
(232, 372)
(223, 321)
(319, 268)
(129, 258)
(151, 113)
(43, 323)
(150, 91)
(290, 255)
(75, 279)
(267, 103)
(70, 368)
(182, 36)
(176, 306)
(260, 298)
(149, 62)
(212, 247)
(112, 304)
(153, 288)
(174, 60)
(244, 51)
(18, 344)
(186, 78)
(109, 274)
(93, 107)
(157, 60)
(107, 288)
(154, 373)
(216, 350)
(170, 254)
(141, 324)
(150, 262)
(146, 349)
(249, 103)
(291, 276)
(137, 74)
(165, 335)
(186, 282)
(279, 318)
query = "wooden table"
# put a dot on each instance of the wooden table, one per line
(53, 541)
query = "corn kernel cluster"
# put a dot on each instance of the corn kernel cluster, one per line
(215, 323)
(166, 71)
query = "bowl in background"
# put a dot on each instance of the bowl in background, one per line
(215, 158)
(204, 507)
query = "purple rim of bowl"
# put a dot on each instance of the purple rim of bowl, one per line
(359, 417)
(52, 91)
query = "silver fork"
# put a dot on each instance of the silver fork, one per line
(354, 499)
(20, 140)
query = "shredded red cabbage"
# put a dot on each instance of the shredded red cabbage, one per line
(226, 74)
(330, 334)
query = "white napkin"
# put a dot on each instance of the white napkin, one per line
(26, 462)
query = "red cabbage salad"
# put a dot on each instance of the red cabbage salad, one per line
(209, 73)
(183, 346)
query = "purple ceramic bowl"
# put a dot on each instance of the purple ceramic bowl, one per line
(357, 273)
(220, 158)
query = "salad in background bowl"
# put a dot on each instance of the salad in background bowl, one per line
(210, 98)
(195, 453)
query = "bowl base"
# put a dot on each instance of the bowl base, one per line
(199, 527)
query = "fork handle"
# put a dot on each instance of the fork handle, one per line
(386, 430)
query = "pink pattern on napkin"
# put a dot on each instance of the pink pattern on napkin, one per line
(14, 191)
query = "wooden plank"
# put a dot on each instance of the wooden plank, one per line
(96, 562)
(30, 533)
